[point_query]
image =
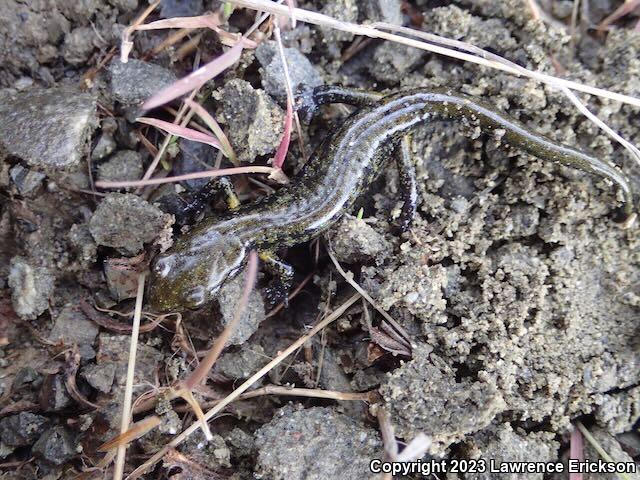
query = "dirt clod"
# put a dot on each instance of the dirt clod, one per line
(255, 313)
(314, 443)
(507, 445)
(123, 165)
(31, 286)
(126, 222)
(255, 121)
(72, 327)
(21, 429)
(47, 128)
(135, 81)
(55, 446)
(424, 396)
(353, 240)
(301, 70)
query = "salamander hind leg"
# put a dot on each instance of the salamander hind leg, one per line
(408, 183)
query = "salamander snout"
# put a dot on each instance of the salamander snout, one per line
(189, 275)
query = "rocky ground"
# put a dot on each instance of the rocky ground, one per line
(519, 290)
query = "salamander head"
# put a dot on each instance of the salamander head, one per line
(188, 275)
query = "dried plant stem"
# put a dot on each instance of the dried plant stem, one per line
(311, 393)
(245, 386)
(128, 390)
(274, 173)
(370, 31)
(348, 276)
(596, 445)
(127, 44)
(182, 119)
(576, 451)
(290, 100)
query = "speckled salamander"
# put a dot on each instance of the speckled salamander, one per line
(189, 274)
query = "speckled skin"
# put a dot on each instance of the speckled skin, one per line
(189, 274)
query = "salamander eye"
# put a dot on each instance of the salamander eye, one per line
(195, 297)
(163, 266)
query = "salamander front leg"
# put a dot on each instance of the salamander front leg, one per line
(189, 212)
(408, 183)
(279, 287)
(308, 101)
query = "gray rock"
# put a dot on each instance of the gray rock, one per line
(27, 376)
(53, 395)
(72, 327)
(78, 45)
(26, 181)
(256, 123)
(315, 443)
(213, 454)
(55, 446)
(126, 222)
(228, 297)
(83, 245)
(123, 165)
(48, 128)
(21, 429)
(104, 146)
(100, 377)
(354, 240)
(301, 71)
(135, 81)
(196, 156)
(243, 363)
(31, 288)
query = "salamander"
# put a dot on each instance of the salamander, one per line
(339, 171)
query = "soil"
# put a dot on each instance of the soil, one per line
(519, 290)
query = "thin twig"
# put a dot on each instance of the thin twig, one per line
(576, 451)
(274, 174)
(244, 387)
(596, 445)
(406, 339)
(128, 390)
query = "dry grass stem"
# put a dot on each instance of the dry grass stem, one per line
(274, 174)
(127, 45)
(128, 390)
(136, 431)
(348, 276)
(598, 448)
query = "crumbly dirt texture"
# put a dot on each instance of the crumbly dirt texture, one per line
(519, 291)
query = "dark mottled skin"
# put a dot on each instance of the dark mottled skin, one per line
(339, 171)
